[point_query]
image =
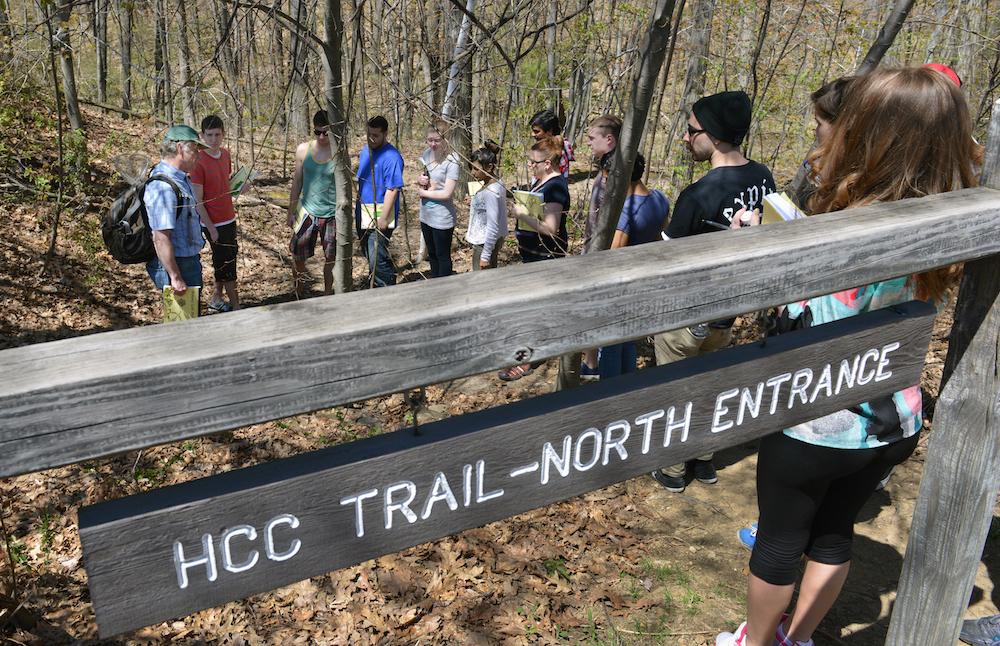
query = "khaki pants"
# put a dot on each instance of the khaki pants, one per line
(677, 345)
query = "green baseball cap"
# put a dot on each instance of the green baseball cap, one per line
(184, 133)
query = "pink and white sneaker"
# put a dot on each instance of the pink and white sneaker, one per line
(739, 638)
(780, 639)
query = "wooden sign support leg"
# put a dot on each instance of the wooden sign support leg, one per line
(958, 490)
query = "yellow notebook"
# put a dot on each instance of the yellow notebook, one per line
(370, 214)
(475, 187)
(239, 178)
(180, 308)
(530, 202)
(300, 218)
(778, 208)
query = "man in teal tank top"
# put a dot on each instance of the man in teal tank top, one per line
(312, 216)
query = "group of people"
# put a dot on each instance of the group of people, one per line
(885, 136)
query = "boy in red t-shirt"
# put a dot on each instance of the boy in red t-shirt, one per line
(215, 206)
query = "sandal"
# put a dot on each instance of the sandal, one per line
(515, 373)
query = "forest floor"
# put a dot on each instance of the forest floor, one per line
(628, 564)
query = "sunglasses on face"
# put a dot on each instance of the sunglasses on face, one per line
(320, 133)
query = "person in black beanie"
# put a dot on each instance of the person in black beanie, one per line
(715, 130)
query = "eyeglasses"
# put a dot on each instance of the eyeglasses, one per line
(320, 133)
(692, 132)
(532, 162)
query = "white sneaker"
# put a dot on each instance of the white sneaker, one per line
(731, 639)
(780, 639)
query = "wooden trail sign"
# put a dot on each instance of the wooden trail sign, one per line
(177, 550)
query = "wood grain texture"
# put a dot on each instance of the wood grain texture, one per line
(128, 543)
(98, 395)
(958, 489)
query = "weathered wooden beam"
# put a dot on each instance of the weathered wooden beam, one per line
(961, 476)
(180, 549)
(78, 399)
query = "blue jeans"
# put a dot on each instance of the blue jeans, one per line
(190, 267)
(618, 359)
(375, 247)
(438, 249)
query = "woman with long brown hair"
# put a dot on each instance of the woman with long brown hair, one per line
(901, 133)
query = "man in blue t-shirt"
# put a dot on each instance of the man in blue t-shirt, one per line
(380, 178)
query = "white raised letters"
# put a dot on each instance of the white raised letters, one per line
(549, 456)
(825, 381)
(847, 374)
(591, 434)
(227, 551)
(618, 443)
(404, 507)
(883, 362)
(684, 424)
(646, 421)
(721, 409)
(207, 556)
(283, 519)
(440, 490)
(747, 402)
(774, 383)
(800, 382)
(359, 520)
(862, 379)
(480, 477)
(207, 559)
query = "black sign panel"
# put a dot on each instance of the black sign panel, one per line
(177, 550)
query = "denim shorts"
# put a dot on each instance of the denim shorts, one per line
(190, 267)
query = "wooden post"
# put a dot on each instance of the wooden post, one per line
(958, 490)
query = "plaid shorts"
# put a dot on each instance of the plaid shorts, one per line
(303, 244)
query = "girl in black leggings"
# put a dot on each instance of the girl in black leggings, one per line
(901, 133)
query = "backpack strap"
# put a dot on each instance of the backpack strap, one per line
(177, 194)
(163, 178)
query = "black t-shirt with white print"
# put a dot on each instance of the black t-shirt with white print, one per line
(716, 198)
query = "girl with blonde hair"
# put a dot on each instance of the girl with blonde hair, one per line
(437, 190)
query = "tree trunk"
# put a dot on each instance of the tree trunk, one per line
(125, 9)
(972, 22)
(655, 121)
(332, 42)
(459, 61)
(579, 83)
(550, 58)
(652, 52)
(6, 55)
(160, 94)
(101, 29)
(65, 52)
(405, 126)
(885, 37)
(300, 71)
(223, 37)
(697, 65)
(184, 49)
(477, 99)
